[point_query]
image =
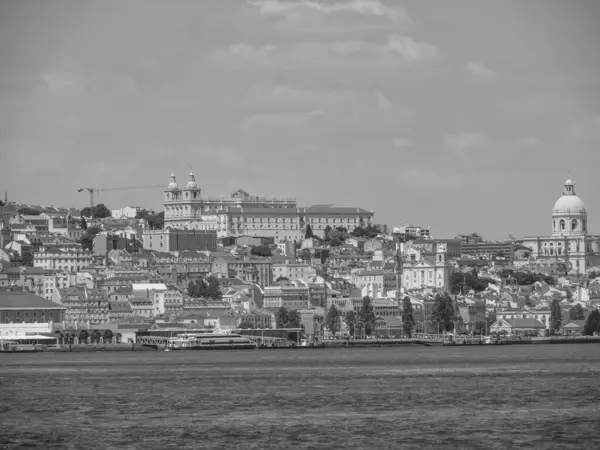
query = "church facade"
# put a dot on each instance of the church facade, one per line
(570, 241)
(243, 214)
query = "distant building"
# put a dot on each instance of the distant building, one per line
(24, 307)
(245, 215)
(254, 241)
(289, 296)
(180, 240)
(293, 271)
(570, 241)
(489, 250)
(128, 212)
(68, 258)
(472, 238)
(411, 230)
(429, 272)
(255, 270)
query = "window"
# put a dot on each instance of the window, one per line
(562, 224)
(573, 225)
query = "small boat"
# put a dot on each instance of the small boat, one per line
(210, 341)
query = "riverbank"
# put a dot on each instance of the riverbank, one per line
(337, 343)
(80, 348)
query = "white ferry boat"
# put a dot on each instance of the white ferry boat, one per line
(210, 341)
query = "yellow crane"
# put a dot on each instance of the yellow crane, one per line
(94, 191)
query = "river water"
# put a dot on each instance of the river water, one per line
(488, 397)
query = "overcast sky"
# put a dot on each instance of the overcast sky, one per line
(462, 115)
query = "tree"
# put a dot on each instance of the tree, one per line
(309, 232)
(358, 232)
(28, 211)
(367, 315)
(83, 224)
(261, 250)
(87, 212)
(192, 291)
(443, 312)
(157, 221)
(83, 335)
(408, 320)
(592, 323)
(351, 318)
(293, 318)
(555, 315)
(101, 211)
(213, 289)
(335, 242)
(327, 230)
(245, 325)
(282, 279)
(576, 313)
(281, 317)
(332, 319)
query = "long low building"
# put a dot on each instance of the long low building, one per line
(17, 307)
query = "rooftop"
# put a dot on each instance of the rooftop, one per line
(25, 300)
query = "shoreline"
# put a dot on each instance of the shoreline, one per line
(338, 343)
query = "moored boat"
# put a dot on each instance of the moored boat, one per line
(210, 341)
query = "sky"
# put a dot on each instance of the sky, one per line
(463, 116)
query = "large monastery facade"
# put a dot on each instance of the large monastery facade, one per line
(245, 215)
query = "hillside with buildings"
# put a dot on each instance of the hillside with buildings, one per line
(265, 262)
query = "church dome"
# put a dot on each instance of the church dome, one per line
(569, 203)
(173, 184)
(191, 184)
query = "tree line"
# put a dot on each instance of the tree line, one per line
(205, 288)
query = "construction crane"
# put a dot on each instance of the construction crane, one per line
(94, 191)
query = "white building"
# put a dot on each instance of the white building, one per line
(293, 271)
(128, 212)
(245, 215)
(64, 259)
(569, 242)
(429, 272)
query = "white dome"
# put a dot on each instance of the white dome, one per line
(173, 184)
(192, 183)
(569, 204)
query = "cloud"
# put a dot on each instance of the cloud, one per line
(428, 179)
(528, 142)
(401, 142)
(586, 129)
(538, 104)
(311, 117)
(461, 143)
(476, 73)
(70, 79)
(278, 120)
(367, 7)
(280, 96)
(396, 50)
(465, 143)
(308, 11)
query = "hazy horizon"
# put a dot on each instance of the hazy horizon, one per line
(463, 116)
